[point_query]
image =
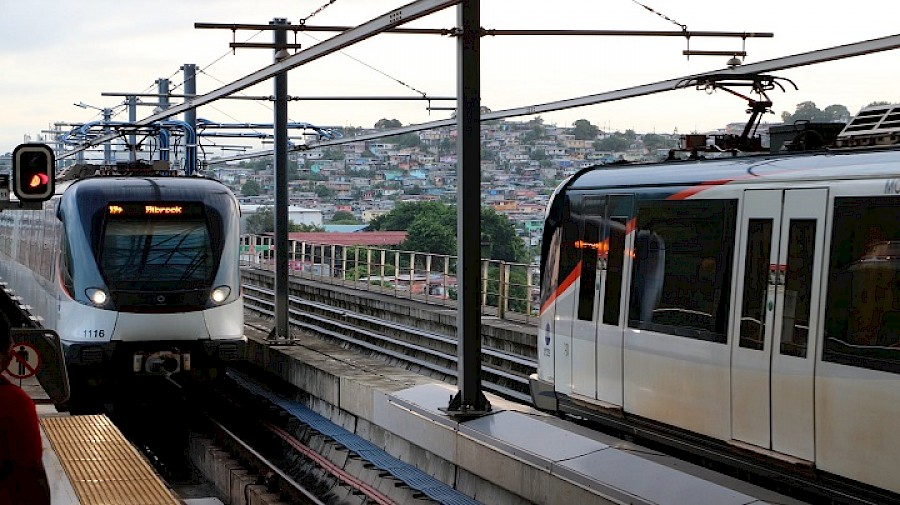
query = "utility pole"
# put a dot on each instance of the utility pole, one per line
(163, 90)
(469, 401)
(107, 148)
(132, 117)
(190, 115)
(282, 328)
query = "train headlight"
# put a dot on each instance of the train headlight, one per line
(220, 294)
(97, 296)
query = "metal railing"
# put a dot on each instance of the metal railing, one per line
(508, 290)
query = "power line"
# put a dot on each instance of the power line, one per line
(660, 14)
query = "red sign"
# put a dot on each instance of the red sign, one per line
(25, 363)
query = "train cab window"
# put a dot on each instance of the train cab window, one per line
(164, 255)
(862, 308)
(682, 266)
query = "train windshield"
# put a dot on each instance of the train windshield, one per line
(160, 252)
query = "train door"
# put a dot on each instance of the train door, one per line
(773, 349)
(590, 246)
(566, 296)
(597, 335)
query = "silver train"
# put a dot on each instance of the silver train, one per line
(748, 303)
(139, 276)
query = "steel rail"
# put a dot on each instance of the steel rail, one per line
(342, 333)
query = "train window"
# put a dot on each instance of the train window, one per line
(862, 309)
(569, 256)
(798, 287)
(163, 255)
(756, 275)
(613, 296)
(65, 264)
(682, 267)
(550, 266)
(593, 253)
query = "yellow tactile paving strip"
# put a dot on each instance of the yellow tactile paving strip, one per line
(102, 466)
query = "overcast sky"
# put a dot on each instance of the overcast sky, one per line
(54, 53)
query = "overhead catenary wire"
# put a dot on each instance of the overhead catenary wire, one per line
(660, 14)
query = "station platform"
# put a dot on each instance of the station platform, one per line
(513, 455)
(88, 460)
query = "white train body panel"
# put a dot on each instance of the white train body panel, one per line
(759, 304)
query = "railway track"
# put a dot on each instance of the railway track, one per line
(416, 350)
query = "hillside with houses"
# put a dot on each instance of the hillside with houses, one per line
(522, 163)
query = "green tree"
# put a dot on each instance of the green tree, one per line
(447, 145)
(406, 140)
(261, 221)
(499, 230)
(488, 154)
(616, 141)
(536, 130)
(837, 113)
(323, 191)
(251, 188)
(302, 227)
(538, 155)
(383, 124)
(434, 233)
(807, 111)
(403, 214)
(653, 141)
(584, 130)
(431, 227)
(332, 154)
(344, 217)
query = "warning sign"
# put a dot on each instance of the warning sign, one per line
(25, 362)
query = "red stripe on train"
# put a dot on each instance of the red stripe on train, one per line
(576, 272)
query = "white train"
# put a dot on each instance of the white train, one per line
(749, 303)
(139, 276)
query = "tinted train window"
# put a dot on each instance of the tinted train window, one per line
(569, 256)
(681, 274)
(756, 274)
(798, 287)
(593, 253)
(162, 255)
(862, 311)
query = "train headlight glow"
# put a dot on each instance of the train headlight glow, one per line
(97, 296)
(220, 294)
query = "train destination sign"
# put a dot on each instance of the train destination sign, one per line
(153, 209)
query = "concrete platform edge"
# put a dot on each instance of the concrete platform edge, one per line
(362, 387)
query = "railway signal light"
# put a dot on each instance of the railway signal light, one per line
(34, 172)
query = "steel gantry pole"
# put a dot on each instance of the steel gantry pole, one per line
(107, 147)
(163, 89)
(132, 117)
(281, 330)
(469, 401)
(190, 115)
